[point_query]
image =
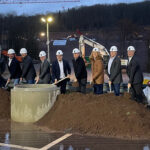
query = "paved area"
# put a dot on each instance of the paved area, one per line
(29, 137)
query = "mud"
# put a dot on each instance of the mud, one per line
(4, 104)
(101, 115)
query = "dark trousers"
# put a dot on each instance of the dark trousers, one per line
(62, 85)
(98, 88)
(32, 81)
(116, 88)
(82, 85)
(137, 92)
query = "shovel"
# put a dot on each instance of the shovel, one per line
(60, 81)
(110, 90)
(128, 90)
(6, 85)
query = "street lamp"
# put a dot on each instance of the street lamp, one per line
(47, 21)
(42, 34)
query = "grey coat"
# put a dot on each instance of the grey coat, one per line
(115, 75)
(44, 73)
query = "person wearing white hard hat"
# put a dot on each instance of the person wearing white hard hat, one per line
(113, 70)
(44, 71)
(135, 76)
(60, 70)
(28, 70)
(79, 70)
(97, 68)
(13, 67)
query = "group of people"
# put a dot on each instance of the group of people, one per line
(114, 73)
(61, 69)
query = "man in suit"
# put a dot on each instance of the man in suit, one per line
(113, 70)
(28, 70)
(60, 70)
(135, 76)
(44, 72)
(13, 67)
(80, 70)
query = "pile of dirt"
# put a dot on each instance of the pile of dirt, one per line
(4, 104)
(102, 115)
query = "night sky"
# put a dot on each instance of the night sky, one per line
(31, 9)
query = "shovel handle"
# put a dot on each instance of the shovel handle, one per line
(110, 87)
(128, 90)
(6, 83)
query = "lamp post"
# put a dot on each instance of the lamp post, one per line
(47, 21)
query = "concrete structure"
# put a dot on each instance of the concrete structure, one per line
(29, 103)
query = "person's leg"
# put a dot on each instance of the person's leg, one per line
(94, 87)
(16, 81)
(31, 81)
(63, 87)
(79, 87)
(132, 92)
(83, 85)
(100, 89)
(139, 92)
(116, 89)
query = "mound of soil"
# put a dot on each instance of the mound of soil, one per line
(102, 115)
(4, 104)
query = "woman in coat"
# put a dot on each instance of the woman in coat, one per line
(97, 68)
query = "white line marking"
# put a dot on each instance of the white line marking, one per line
(17, 146)
(56, 142)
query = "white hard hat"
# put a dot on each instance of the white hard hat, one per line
(11, 51)
(113, 49)
(59, 52)
(75, 50)
(42, 53)
(23, 51)
(95, 49)
(131, 48)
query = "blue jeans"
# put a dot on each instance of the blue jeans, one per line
(116, 88)
(16, 81)
(98, 88)
(31, 81)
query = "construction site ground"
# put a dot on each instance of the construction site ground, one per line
(80, 122)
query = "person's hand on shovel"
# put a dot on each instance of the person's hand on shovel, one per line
(68, 76)
(21, 79)
(91, 82)
(8, 81)
(55, 81)
(37, 79)
(129, 86)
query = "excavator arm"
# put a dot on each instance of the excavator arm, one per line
(104, 53)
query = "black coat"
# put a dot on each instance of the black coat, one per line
(134, 71)
(2, 64)
(44, 73)
(56, 69)
(14, 69)
(79, 68)
(115, 75)
(28, 70)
